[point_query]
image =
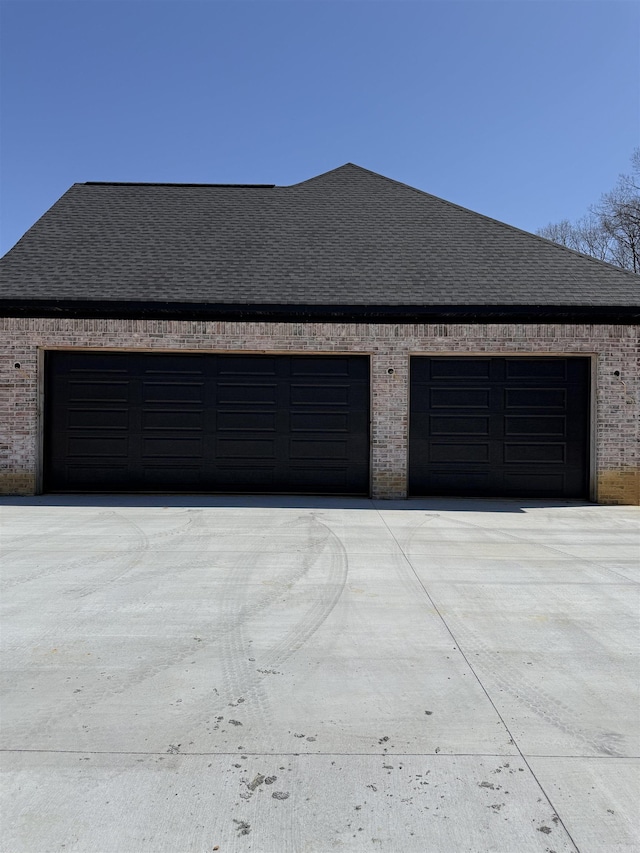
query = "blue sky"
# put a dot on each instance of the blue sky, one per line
(524, 110)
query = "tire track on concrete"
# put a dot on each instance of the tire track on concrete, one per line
(241, 681)
(18, 541)
(100, 693)
(122, 555)
(403, 567)
(245, 681)
(510, 679)
(532, 696)
(183, 651)
(125, 558)
(194, 530)
(145, 545)
(322, 608)
(132, 558)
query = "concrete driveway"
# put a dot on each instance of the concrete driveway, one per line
(275, 675)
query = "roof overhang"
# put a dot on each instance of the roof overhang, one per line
(320, 313)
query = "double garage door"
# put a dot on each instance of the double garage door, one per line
(207, 423)
(300, 424)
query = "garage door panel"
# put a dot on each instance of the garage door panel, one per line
(174, 420)
(248, 393)
(168, 476)
(538, 453)
(254, 477)
(101, 363)
(318, 450)
(324, 478)
(97, 446)
(537, 418)
(455, 368)
(319, 422)
(465, 398)
(98, 391)
(451, 452)
(246, 421)
(81, 478)
(320, 366)
(448, 482)
(247, 365)
(320, 395)
(540, 425)
(536, 368)
(458, 425)
(531, 398)
(536, 484)
(176, 392)
(245, 448)
(98, 419)
(208, 422)
(171, 448)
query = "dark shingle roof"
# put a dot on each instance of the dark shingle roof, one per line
(349, 236)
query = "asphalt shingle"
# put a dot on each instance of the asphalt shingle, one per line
(348, 236)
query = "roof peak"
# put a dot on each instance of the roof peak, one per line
(333, 172)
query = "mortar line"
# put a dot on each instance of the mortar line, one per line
(482, 687)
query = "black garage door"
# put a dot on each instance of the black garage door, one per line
(241, 423)
(499, 427)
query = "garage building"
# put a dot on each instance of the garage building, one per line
(346, 335)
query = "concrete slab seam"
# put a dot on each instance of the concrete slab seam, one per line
(485, 691)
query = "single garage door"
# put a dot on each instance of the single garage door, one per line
(228, 423)
(499, 427)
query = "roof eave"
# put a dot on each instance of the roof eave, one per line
(320, 313)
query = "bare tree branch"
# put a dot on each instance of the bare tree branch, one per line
(611, 229)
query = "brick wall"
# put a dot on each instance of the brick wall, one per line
(617, 478)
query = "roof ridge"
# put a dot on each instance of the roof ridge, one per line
(496, 221)
(324, 175)
(168, 184)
